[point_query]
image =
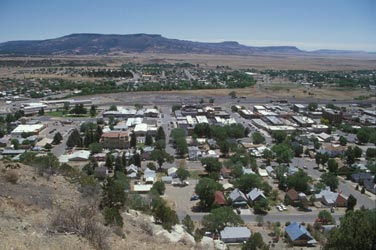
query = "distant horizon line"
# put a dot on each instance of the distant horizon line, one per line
(249, 43)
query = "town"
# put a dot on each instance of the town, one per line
(215, 164)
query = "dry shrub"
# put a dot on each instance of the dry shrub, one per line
(144, 225)
(83, 222)
(11, 176)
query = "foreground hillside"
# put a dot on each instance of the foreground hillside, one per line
(32, 208)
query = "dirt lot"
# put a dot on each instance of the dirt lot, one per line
(180, 196)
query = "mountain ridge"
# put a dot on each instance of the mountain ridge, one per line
(102, 44)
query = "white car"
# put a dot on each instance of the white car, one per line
(279, 208)
(283, 207)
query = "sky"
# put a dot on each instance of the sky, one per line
(307, 24)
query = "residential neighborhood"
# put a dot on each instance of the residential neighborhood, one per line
(271, 162)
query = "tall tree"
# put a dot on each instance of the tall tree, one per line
(205, 189)
(356, 231)
(255, 242)
(221, 217)
(57, 138)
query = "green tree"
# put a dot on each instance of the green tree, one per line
(224, 147)
(212, 165)
(279, 136)
(109, 161)
(202, 130)
(93, 110)
(164, 214)
(112, 216)
(133, 141)
(312, 106)
(148, 140)
(95, 148)
(160, 134)
(161, 156)
(342, 140)
(188, 224)
(351, 202)
(324, 158)
(300, 181)
(357, 152)
(160, 187)
(15, 143)
(113, 108)
(232, 94)
(356, 231)
(371, 153)
(332, 165)
(119, 166)
(219, 218)
(41, 112)
(258, 138)
(261, 206)
(283, 153)
(113, 194)
(74, 139)
(57, 138)
(182, 173)
(247, 182)
(326, 217)
(205, 189)
(255, 242)
(350, 156)
(181, 146)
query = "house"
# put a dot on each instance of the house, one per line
(228, 186)
(333, 150)
(115, 140)
(225, 172)
(238, 198)
(329, 198)
(248, 171)
(325, 137)
(270, 171)
(13, 152)
(219, 198)
(141, 129)
(146, 153)
(366, 179)
(167, 179)
(131, 169)
(262, 172)
(298, 235)
(4, 140)
(194, 153)
(79, 155)
(255, 195)
(142, 188)
(292, 197)
(172, 172)
(149, 176)
(235, 234)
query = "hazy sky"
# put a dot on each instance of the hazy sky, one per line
(310, 25)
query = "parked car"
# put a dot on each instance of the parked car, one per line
(283, 207)
(279, 208)
(194, 197)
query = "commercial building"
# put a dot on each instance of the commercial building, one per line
(115, 140)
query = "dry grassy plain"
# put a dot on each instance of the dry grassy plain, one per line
(278, 61)
(259, 62)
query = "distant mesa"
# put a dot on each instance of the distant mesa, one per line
(100, 44)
